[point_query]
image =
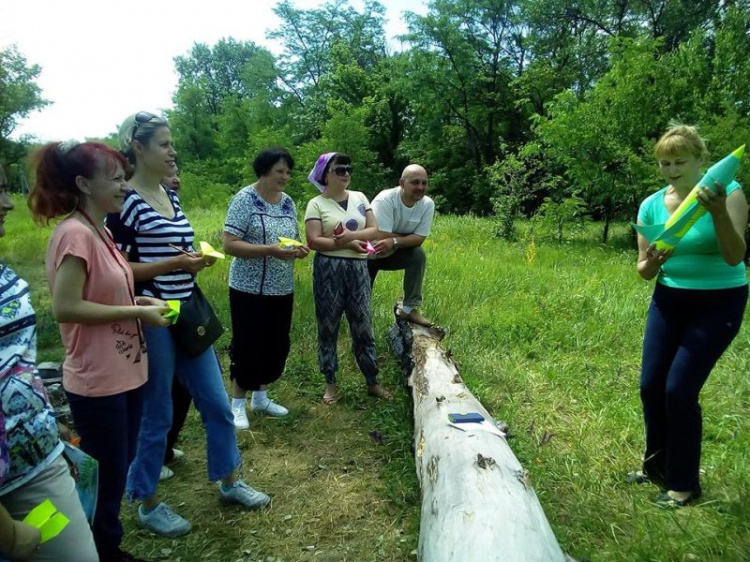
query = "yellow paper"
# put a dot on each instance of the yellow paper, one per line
(208, 250)
(289, 242)
(40, 514)
(174, 310)
(47, 519)
(54, 526)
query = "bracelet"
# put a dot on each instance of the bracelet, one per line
(395, 242)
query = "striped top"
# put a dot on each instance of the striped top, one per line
(145, 235)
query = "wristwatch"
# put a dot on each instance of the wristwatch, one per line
(395, 243)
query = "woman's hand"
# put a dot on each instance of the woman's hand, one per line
(302, 252)
(192, 263)
(714, 202)
(27, 540)
(154, 315)
(280, 253)
(345, 238)
(655, 258)
(359, 246)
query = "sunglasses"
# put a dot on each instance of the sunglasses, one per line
(143, 117)
(342, 170)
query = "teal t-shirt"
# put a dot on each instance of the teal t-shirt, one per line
(696, 262)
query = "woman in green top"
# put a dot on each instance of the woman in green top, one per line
(695, 312)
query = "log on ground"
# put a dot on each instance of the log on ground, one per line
(477, 500)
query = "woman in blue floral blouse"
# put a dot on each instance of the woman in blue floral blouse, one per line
(261, 282)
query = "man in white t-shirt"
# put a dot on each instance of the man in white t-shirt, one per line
(404, 215)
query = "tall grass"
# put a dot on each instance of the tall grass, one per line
(548, 336)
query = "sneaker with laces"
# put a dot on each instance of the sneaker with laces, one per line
(165, 473)
(270, 408)
(240, 417)
(242, 494)
(163, 521)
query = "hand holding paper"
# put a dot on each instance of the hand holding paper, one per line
(208, 251)
(174, 311)
(47, 519)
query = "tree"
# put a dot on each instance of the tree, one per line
(19, 93)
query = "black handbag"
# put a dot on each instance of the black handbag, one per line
(197, 326)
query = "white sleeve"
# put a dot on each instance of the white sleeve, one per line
(383, 211)
(424, 226)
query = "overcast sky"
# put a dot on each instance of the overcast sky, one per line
(102, 60)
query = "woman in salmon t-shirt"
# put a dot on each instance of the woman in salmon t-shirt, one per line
(100, 320)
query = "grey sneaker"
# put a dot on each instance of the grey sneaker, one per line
(269, 407)
(241, 493)
(163, 521)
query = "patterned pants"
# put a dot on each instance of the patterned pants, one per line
(342, 286)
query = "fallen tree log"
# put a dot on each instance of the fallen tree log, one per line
(478, 504)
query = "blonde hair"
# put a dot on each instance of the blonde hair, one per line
(680, 139)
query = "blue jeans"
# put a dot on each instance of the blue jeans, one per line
(108, 426)
(686, 332)
(201, 376)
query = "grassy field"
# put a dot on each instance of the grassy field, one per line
(547, 336)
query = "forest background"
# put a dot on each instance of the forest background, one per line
(534, 109)
(543, 108)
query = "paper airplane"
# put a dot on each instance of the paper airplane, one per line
(208, 250)
(666, 236)
(47, 519)
(174, 311)
(289, 242)
(370, 248)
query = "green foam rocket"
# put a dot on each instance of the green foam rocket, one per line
(666, 236)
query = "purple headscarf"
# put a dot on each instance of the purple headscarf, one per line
(316, 174)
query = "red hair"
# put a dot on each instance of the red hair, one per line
(55, 192)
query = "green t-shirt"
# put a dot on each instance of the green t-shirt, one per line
(696, 262)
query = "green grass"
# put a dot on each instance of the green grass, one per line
(547, 336)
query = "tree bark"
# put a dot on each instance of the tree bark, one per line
(477, 501)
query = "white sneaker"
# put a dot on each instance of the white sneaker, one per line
(269, 407)
(166, 473)
(240, 417)
(177, 454)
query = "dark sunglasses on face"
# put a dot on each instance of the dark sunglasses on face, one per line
(342, 170)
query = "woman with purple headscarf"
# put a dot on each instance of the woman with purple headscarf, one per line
(339, 224)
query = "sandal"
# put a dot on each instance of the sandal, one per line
(664, 500)
(379, 392)
(330, 398)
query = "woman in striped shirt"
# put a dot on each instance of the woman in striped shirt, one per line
(151, 231)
